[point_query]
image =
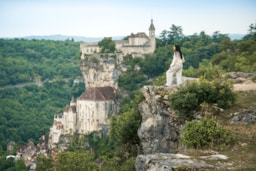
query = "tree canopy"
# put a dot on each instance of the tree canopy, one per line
(107, 45)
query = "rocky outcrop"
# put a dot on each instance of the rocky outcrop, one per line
(101, 70)
(168, 162)
(159, 135)
(241, 77)
(159, 131)
(245, 117)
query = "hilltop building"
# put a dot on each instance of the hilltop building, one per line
(91, 111)
(137, 44)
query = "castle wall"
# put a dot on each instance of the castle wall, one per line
(89, 48)
(137, 41)
(137, 49)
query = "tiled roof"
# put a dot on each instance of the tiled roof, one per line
(98, 94)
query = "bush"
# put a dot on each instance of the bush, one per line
(205, 133)
(188, 98)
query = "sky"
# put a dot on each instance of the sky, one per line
(108, 18)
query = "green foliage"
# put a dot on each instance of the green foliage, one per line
(238, 55)
(11, 165)
(205, 133)
(107, 45)
(252, 32)
(27, 112)
(45, 163)
(67, 161)
(25, 60)
(131, 81)
(206, 70)
(124, 127)
(188, 98)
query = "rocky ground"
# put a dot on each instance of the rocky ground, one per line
(242, 81)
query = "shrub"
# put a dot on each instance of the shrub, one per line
(188, 98)
(205, 133)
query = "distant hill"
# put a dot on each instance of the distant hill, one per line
(236, 36)
(95, 39)
(75, 38)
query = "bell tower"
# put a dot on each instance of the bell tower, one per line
(152, 36)
(152, 30)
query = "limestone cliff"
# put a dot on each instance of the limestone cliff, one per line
(159, 135)
(100, 70)
(159, 131)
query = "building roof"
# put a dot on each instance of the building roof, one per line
(139, 35)
(98, 94)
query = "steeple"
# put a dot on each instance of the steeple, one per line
(152, 27)
(152, 30)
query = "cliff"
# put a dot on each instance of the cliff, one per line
(159, 134)
(101, 70)
(160, 131)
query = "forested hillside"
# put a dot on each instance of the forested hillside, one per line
(26, 112)
(26, 60)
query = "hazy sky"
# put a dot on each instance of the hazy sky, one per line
(97, 18)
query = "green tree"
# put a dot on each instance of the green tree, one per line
(175, 35)
(107, 45)
(76, 161)
(124, 127)
(252, 33)
(205, 133)
(44, 163)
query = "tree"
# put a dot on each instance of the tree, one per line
(252, 33)
(107, 45)
(175, 35)
(76, 161)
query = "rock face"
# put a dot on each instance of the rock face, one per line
(159, 136)
(168, 162)
(159, 131)
(101, 70)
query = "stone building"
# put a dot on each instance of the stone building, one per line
(94, 108)
(91, 111)
(136, 44)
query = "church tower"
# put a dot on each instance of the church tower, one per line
(152, 30)
(152, 36)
